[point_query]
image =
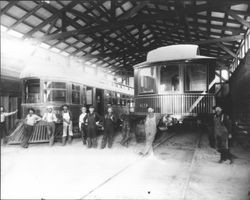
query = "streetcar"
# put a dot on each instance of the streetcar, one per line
(176, 81)
(45, 84)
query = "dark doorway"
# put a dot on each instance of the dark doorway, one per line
(100, 101)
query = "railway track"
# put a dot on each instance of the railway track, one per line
(160, 142)
(190, 167)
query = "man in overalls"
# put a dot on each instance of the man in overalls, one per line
(93, 119)
(109, 123)
(222, 134)
(67, 125)
(151, 122)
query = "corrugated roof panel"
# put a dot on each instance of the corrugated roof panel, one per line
(34, 21)
(216, 23)
(79, 44)
(61, 45)
(233, 25)
(38, 34)
(118, 11)
(107, 5)
(3, 4)
(128, 5)
(43, 13)
(16, 12)
(29, 5)
(240, 7)
(79, 8)
(7, 21)
(56, 5)
(218, 14)
(23, 28)
(71, 40)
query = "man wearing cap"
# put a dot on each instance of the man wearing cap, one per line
(151, 122)
(92, 120)
(222, 133)
(82, 125)
(67, 125)
(109, 123)
(29, 123)
(50, 118)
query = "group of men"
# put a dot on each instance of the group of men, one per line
(90, 121)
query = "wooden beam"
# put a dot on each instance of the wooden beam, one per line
(237, 17)
(52, 25)
(224, 39)
(139, 20)
(180, 7)
(133, 10)
(235, 31)
(85, 17)
(26, 16)
(50, 19)
(227, 50)
(113, 10)
(7, 7)
(170, 15)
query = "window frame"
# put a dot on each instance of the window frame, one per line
(155, 78)
(46, 89)
(179, 66)
(76, 90)
(185, 77)
(26, 94)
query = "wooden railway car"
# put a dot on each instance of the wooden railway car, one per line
(175, 80)
(51, 85)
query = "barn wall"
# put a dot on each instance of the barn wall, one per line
(240, 91)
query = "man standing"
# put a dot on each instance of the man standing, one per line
(109, 123)
(29, 123)
(82, 125)
(92, 119)
(151, 123)
(222, 134)
(3, 129)
(67, 125)
(50, 118)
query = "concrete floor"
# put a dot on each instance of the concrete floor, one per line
(75, 172)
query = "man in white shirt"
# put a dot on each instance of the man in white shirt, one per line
(29, 121)
(67, 125)
(82, 125)
(3, 129)
(50, 118)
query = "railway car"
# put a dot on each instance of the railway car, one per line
(177, 81)
(46, 85)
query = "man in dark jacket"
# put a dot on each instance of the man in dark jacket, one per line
(93, 119)
(109, 123)
(222, 133)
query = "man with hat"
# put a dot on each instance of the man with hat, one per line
(50, 118)
(109, 123)
(92, 120)
(222, 133)
(67, 124)
(151, 122)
